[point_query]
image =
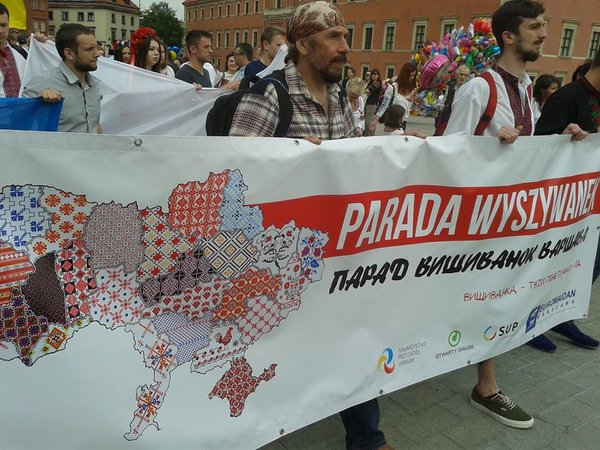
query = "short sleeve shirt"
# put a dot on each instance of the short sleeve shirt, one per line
(81, 108)
(190, 75)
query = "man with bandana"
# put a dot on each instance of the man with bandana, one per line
(317, 53)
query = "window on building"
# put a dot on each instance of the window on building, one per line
(350, 36)
(568, 37)
(80, 16)
(210, 12)
(447, 26)
(364, 68)
(51, 30)
(255, 6)
(562, 76)
(219, 10)
(218, 39)
(202, 14)
(90, 17)
(236, 39)
(113, 34)
(247, 7)
(594, 43)
(227, 9)
(123, 34)
(245, 36)
(237, 9)
(255, 38)
(419, 30)
(50, 15)
(65, 16)
(368, 37)
(132, 21)
(113, 19)
(123, 22)
(34, 4)
(389, 36)
(42, 5)
(277, 3)
(227, 39)
(390, 71)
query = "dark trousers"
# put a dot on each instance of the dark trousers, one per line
(362, 426)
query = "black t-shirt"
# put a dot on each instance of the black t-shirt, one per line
(254, 67)
(374, 91)
(573, 103)
(190, 75)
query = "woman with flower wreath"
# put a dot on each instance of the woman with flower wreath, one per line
(145, 49)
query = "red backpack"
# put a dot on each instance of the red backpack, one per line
(490, 109)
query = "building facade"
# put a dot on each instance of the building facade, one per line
(110, 20)
(37, 16)
(385, 34)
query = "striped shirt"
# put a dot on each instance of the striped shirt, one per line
(257, 115)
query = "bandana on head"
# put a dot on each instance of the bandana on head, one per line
(311, 18)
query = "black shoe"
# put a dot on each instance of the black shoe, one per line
(570, 330)
(542, 343)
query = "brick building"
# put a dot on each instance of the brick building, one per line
(109, 19)
(385, 33)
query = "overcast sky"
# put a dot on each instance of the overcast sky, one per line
(175, 4)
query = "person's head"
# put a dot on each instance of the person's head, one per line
(243, 54)
(271, 39)
(164, 55)
(100, 49)
(123, 54)
(368, 76)
(230, 64)
(178, 62)
(596, 61)
(13, 35)
(374, 76)
(351, 73)
(393, 117)
(147, 54)
(77, 47)
(545, 86)
(354, 88)
(22, 39)
(519, 26)
(316, 37)
(581, 70)
(462, 74)
(4, 30)
(199, 46)
(407, 78)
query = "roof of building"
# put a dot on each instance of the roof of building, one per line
(96, 4)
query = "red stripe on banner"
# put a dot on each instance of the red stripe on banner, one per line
(417, 214)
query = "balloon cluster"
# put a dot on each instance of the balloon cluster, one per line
(474, 48)
(173, 52)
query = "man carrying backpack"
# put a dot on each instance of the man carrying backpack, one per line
(520, 29)
(318, 51)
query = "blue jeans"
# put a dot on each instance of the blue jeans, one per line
(362, 426)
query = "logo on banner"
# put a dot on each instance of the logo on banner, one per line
(490, 333)
(557, 304)
(386, 361)
(454, 338)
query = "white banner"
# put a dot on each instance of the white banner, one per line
(161, 292)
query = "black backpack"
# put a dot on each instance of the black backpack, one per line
(220, 117)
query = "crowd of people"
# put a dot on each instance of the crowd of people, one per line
(325, 109)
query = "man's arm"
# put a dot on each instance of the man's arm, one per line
(38, 87)
(256, 115)
(468, 107)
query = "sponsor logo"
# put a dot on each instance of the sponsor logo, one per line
(559, 303)
(454, 338)
(386, 361)
(491, 332)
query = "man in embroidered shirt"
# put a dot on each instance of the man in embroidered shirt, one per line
(12, 63)
(72, 80)
(520, 29)
(317, 52)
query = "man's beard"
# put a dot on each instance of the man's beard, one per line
(527, 55)
(85, 67)
(327, 74)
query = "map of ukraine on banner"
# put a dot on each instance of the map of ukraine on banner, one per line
(206, 268)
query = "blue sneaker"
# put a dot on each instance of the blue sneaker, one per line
(542, 343)
(572, 332)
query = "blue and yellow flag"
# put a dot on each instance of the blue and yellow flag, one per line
(18, 14)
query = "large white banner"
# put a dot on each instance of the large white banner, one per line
(161, 292)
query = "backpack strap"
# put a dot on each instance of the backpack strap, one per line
(277, 79)
(490, 109)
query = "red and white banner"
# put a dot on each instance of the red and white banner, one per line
(221, 292)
